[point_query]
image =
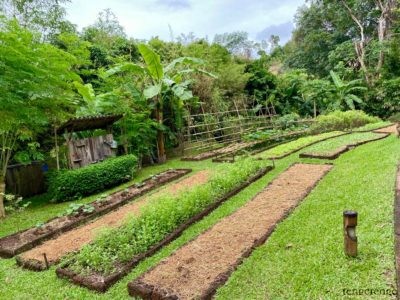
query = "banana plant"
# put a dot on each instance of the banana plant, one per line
(160, 81)
(345, 92)
(92, 104)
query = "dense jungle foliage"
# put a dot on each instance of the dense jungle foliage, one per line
(343, 55)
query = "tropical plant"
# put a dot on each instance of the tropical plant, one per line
(161, 82)
(35, 89)
(344, 92)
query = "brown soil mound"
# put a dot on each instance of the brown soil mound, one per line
(197, 269)
(75, 239)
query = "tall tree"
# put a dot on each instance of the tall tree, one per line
(35, 84)
(44, 16)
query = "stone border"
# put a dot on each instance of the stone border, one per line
(7, 251)
(137, 288)
(101, 283)
(341, 150)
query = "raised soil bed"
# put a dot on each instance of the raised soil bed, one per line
(25, 240)
(397, 226)
(221, 151)
(339, 151)
(259, 146)
(51, 252)
(301, 148)
(198, 268)
(101, 283)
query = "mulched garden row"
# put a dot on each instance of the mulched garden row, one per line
(27, 239)
(198, 268)
(100, 282)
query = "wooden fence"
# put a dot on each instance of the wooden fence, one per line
(26, 180)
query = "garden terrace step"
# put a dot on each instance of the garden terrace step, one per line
(222, 151)
(25, 240)
(335, 153)
(319, 138)
(101, 282)
(198, 268)
(75, 239)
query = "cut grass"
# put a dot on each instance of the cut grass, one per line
(296, 145)
(281, 275)
(330, 146)
(373, 126)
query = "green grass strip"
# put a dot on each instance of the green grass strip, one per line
(297, 144)
(157, 220)
(329, 146)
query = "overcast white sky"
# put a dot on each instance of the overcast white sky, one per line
(143, 19)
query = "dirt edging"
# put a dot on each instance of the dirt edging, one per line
(341, 150)
(138, 288)
(19, 242)
(101, 283)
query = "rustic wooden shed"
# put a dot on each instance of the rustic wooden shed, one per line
(86, 151)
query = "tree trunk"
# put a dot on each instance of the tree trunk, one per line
(359, 45)
(162, 158)
(384, 25)
(2, 192)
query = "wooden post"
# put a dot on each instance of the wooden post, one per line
(46, 261)
(349, 231)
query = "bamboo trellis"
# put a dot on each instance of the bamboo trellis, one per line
(210, 130)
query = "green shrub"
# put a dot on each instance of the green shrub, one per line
(287, 121)
(340, 120)
(159, 219)
(71, 184)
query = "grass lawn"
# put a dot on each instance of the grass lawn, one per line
(329, 146)
(302, 259)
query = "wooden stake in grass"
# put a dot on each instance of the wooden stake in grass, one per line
(46, 261)
(349, 230)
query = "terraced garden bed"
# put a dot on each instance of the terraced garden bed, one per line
(333, 148)
(198, 268)
(50, 252)
(221, 151)
(261, 146)
(289, 148)
(25, 240)
(95, 268)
